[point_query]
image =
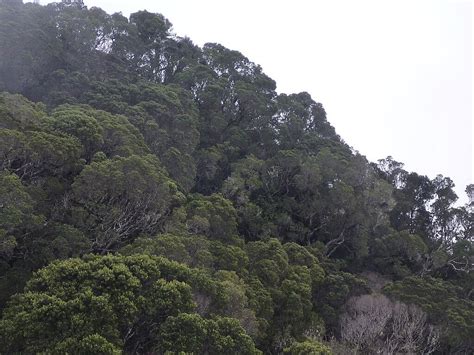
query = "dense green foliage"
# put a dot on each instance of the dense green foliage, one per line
(159, 197)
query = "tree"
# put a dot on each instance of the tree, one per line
(443, 302)
(399, 253)
(119, 198)
(110, 302)
(16, 211)
(181, 168)
(108, 288)
(74, 121)
(410, 332)
(331, 295)
(152, 32)
(184, 333)
(410, 212)
(120, 137)
(372, 323)
(213, 216)
(18, 113)
(297, 117)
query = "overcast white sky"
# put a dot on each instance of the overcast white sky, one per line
(395, 77)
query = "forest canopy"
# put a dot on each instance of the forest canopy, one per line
(157, 196)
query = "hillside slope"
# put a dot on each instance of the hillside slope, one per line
(157, 196)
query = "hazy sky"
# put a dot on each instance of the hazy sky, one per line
(395, 77)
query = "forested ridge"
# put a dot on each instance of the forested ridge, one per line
(158, 197)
